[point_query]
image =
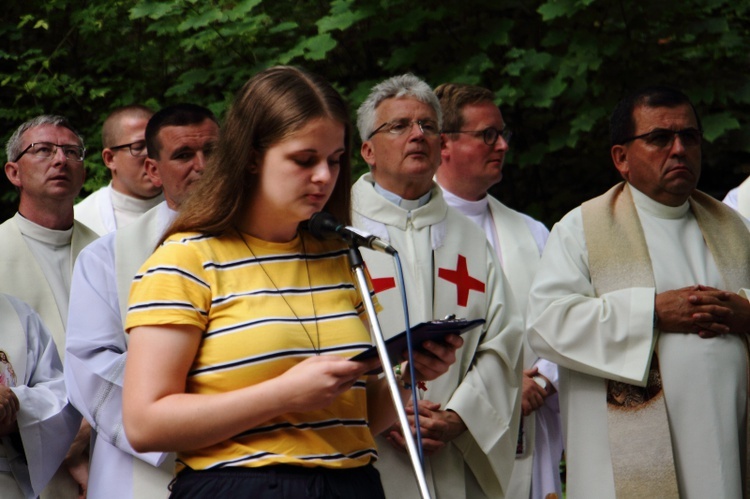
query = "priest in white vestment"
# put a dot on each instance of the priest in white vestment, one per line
(131, 193)
(739, 198)
(37, 424)
(469, 417)
(39, 245)
(96, 340)
(636, 300)
(475, 140)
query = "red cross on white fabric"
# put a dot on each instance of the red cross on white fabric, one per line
(463, 281)
(383, 283)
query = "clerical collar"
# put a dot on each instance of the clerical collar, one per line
(468, 208)
(42, 234)
(657, 209)
(406, 204)
(124, 202)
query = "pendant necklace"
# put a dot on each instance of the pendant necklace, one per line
(316, 348)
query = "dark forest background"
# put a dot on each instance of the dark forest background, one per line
(557, 68)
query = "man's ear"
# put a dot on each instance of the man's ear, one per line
(152, 171)
(620, 159)
(12, 172)
(446, 146)
(368, 153)
(108, 156)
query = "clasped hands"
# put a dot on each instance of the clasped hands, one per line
(703, 310)
(9, 407)
(438, 427)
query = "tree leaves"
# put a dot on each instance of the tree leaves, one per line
(557, 67)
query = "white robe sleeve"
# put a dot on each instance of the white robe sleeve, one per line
(96, 347)
(491, 389)
(47, 423)
(731, 198)
(610, 336)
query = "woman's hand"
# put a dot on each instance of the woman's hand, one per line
(316, 382)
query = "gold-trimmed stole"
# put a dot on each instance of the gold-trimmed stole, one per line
(640, 442)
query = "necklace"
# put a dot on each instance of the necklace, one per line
(316, 348)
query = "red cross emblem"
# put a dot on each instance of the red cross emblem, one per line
(463, 281)
(382, 283)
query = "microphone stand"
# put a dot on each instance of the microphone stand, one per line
(357, 264)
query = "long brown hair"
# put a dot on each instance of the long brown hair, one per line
(270, 107)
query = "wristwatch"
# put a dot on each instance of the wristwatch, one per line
(539, 380)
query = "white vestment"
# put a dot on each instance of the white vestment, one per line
(46, 422)
(96, 354)
(98, 211)
(450, 268)
(519, 241)
(612, 337)
(739, 198)
(24, 278)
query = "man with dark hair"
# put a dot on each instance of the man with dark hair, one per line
(640, 299)
(180, 139)
(40, 243)
(475, 141)
(469, 418)
(131, 192)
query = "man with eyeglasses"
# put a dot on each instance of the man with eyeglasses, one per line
(475, 141)
(131, 193)
(39, 245)
(469, 418)
(640, 299)
(180, 140)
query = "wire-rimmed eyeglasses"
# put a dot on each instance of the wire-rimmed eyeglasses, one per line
(664, 137)
(400, 127)
(45, 150)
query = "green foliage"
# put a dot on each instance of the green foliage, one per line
(557, 68)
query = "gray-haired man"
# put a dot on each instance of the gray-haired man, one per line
(469, 417)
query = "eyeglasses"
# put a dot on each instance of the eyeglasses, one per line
(137, 149)
(46, 150)
(428, 128)
(663, 138)
(489, 134)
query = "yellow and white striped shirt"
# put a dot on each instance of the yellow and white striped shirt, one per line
(261, 314)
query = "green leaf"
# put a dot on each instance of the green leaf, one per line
(587, 118)
(152, 10)
(554, 9)
(318, 46)
(340, 21)
(242, 9)
(201, 20)
(283, 27)
(715, 125)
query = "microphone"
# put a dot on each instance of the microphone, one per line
(322, 224)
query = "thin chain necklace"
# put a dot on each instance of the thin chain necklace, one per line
(316, 349)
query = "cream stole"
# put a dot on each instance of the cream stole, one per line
(24, 279)
(134, 244)
(640, 443)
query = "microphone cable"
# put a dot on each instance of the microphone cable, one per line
(410, 358)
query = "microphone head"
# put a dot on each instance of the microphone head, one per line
(323, 225)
